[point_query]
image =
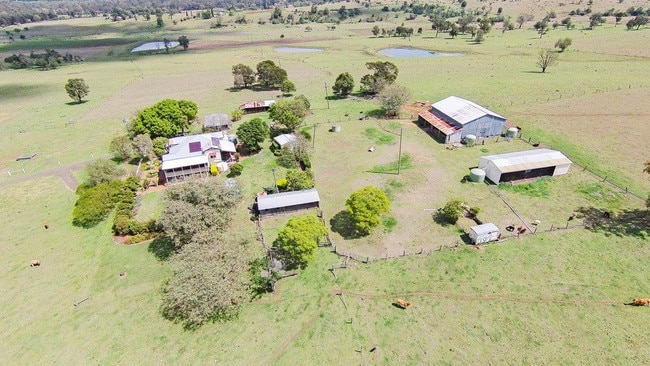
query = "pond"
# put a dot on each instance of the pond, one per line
(297, 50)
(154, 46)
(414, 53)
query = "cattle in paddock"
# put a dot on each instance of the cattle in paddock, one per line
(34, 263)
(641, 302)
(400, 303)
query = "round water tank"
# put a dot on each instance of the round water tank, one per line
(336, 128)
(477, 175)
(512, 132)
(470, 140)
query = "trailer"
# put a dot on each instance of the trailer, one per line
(484, 233)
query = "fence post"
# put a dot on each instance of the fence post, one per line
(567, 225)
(404, 253)
(551, 228)
(605, 179)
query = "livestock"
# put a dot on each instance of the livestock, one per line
(641, 302)
(34, 263)
(402, 303)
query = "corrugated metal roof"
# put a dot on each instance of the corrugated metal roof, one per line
(529, 159)
(216, 120)
(462, 110)
(484, 228)
(178, 163)
(257, 104)
(438, 123)
(179, 146)
(284, 139)
(287, 199)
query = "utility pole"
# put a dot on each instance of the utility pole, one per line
(313, 137)
(327, 98)
(399, 157)
(275, 182)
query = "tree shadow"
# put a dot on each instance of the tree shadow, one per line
(532, 72)
(76, 103)
(343, 224)
(162, 247)
(375, 113)
(630, 222)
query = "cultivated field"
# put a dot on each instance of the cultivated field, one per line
(555, 297)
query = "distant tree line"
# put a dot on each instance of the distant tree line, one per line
(50, 59)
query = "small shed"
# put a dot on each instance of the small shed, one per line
(523, 165)
(484, 233)
(257, 106)
(285, 139)
(216, 122)
(286, 202)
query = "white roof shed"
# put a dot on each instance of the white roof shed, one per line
(484, 233)
(524, 165)
(285, 139)
(287, 199)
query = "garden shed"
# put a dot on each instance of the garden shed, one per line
(453, 118)
(285, 139)
(484, 233)
(523, 165)
(286, 202)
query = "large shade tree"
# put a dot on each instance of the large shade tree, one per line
(244, 75)
(384, 73)
(252, 133)
(365, 207)
(344, 84)
(166, 118)
(270, 75)
(298, 240)
(77, 89)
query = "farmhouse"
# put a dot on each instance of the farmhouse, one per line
(453, 118)
(256, 106)
(524, 165)
(216, 122)
(192, 155)
(285, 139)
(271, 204)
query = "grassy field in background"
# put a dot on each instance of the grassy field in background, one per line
(554, 297)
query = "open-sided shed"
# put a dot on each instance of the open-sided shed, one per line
(524, 165)
(285, 202)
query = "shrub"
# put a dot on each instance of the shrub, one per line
(235, 170)
(452, 211)
(136, 227)
(282, 184)
(121, 225)
(95, 203)
(473, 211)
(214, 170)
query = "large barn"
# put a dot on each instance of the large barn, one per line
(524, 165)
(286, 202)
(453, 118)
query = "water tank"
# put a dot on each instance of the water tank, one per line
(336, 128)
(477, 175)
(470, 140)
(512, 132)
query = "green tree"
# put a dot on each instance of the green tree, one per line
(375, 30)
(286, 87)
(95, 203)
(546, 58)
(102, 171)
(453, 30)
(563, 43)
(159, 146)
(236, 115)
(596, 19)
(567, 22)
(638, 21)
(245, 73)
(144, 146)
(235, 170)
(344, 84)
(393, 97)
(184, 42)
(195, 207)
(297, 180)
(159, 21)
(270, 75)
(211, 280)
(298, 240)
(252, 133)
(77, 89)
(365, 207)
(289, 113)
(523, 18)
(480, 36)
(121, 147)
(542, 27)
(452, 211)
(384, 73)
(166, 118)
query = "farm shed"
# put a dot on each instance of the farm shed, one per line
(256, 106)
(453, 118)
(285, 139)
(271, 204)
(216, 122)
(484, 233)
(524, 165)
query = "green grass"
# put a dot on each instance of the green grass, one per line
(556, 297)
(405, 163)
(537, 188)
(150, 206)
(379, 137)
